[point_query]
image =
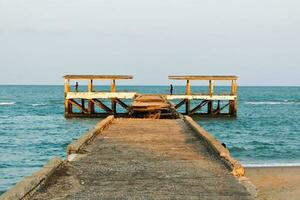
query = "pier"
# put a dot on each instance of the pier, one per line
(84, 103)
(134, 158)
(153, 152)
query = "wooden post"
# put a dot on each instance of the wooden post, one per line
(211, 87)
(233, 87)
(113, 101)
(210, 105)
(187, 101)
(91, 107)
(82, 104)
(68, 105)
(234, 103)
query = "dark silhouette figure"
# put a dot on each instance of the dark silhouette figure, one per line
(171, 89)
(76, 87)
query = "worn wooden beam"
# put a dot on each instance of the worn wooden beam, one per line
(200, 97)
(100, 95)
(73, 102)
(113, 100)
(180, 103)
(218, 111)
(211, 88)
(210, 107)
(91, 107)
(122, 104)
(188, 77)
(203, 103)
(97, 77)
(102, 105)
(67, 88)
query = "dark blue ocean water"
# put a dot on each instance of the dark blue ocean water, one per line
(33, 128)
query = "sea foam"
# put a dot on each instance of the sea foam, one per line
(7, 103)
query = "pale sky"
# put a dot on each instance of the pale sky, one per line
(257, 40)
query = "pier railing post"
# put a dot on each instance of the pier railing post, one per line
(187, 101)
(113, 100)
(210, 104)
(91, 107)
(68, 105)
(233, 103)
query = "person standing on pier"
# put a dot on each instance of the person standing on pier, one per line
(76, 87)
(171, 89)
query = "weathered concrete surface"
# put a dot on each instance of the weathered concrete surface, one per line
(144, 159)
(27, 186)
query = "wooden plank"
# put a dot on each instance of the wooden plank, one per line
(100, 95)
(97, 77)
(201, 97)
(188, 77)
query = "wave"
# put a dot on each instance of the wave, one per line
(38, 104)
(272, 102)
(7, 103)
(272, 165)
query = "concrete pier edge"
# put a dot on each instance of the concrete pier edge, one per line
(237, 170)
(77, 145)
(28, 185)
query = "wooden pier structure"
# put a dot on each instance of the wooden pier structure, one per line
(78, 99)
(207, 99)
(140, 156)
(206, 104)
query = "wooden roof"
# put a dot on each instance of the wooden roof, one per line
(187, 77)
(94, 77)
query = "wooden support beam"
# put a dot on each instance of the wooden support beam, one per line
(187, 101)
(68, 105)
(113, 101)
(233, 108)
(102, 105)
(222, 108)
(180, 103)
(203, 103)
(187, 106)
(83, 104)
(188, 88)
(218, 109)
(73, 102)
(91, 107)
(113, 86)
(210, 107)
(234, 103)
(211, 88)
(233, 87)
(122, 104)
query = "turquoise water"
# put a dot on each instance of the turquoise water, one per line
(33, 128)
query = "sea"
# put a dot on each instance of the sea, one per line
(33, 129)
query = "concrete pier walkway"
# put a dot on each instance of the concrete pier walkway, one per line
(144, 159)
